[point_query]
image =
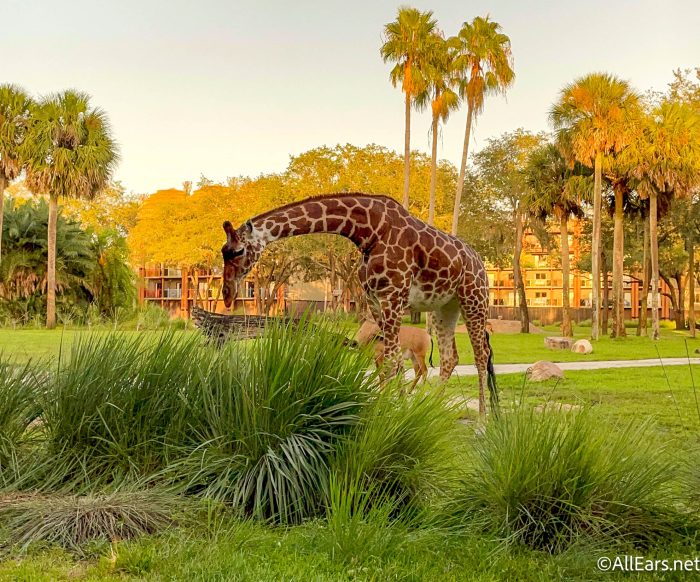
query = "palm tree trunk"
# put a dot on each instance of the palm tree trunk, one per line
(680, 307)
(433, 171)
(51, 267)
(566, 308)
(654, 247)
(3, 185)
(407, 152)
(643, 296)
(462, 169)
(691, 287)
(518, 282)
(595, 247)
(618, 329)
(605, 303)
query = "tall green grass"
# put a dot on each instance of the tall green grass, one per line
(115, 403)
(269, 417)
(19, 385)
(550, 479)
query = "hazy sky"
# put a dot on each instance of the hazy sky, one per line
(227, 88)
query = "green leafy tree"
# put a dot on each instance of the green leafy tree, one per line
(486, 65)
(500, 168)
(591, 116)
(70, 153)
(557, 190)
(23, 272)
(407, 41)
(14, 119)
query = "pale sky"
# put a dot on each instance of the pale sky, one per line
(228, 88)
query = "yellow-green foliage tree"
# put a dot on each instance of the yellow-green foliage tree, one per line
(177, 228)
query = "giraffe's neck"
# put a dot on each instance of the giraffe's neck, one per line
(355, 218)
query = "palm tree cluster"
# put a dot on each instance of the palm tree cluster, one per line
(445, 72)
(641, 152)
(65, 148)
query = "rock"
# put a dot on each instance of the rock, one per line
(558, 343)
(697, 351)
(582, 346)
(543, 370)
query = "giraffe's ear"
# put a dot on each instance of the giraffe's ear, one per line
(231, 234)
(249, 227)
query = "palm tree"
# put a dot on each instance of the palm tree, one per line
(14, 117)
(669, 166)
(590, 117)
(406, 42)
(486, 66)
(441, 80)
(70, 153)
(557, 190)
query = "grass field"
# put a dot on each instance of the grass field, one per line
(211, 544)
(508, 348)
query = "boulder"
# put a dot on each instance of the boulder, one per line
(543, 370)
(582, 346)
(558, 343)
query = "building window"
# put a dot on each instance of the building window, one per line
(249, 289)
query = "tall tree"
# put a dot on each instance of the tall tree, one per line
(486, 65)
(590, 117)
(14, 118)
(501, 172)
(668, 167)
(70, 153)
(441, 81)
(406, 43)
(557, 190)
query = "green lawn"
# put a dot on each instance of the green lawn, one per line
(235, 551)
(668, 397)
(225, 549)
(508, 348)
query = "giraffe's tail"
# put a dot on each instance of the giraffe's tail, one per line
(491, 377)
(430, 357)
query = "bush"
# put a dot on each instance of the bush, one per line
(72, 522)
(548, 479)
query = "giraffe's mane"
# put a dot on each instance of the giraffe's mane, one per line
(323, 197)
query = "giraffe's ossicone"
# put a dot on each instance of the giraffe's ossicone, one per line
(405, 263)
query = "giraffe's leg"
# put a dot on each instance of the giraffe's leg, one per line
(392, 308)
(444, 322)
(475, 317)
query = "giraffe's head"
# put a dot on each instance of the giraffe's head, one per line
(241, 251)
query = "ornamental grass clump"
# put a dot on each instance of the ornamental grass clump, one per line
(114, 407)
(72, 522)
(406, 447)
(19, 385)
(550, 479)
(269, 416)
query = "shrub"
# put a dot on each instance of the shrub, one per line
(268, 418)
(72, 522)
(547, 479)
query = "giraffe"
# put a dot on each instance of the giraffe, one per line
(405, 263)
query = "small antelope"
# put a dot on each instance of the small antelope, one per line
(414, 342)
